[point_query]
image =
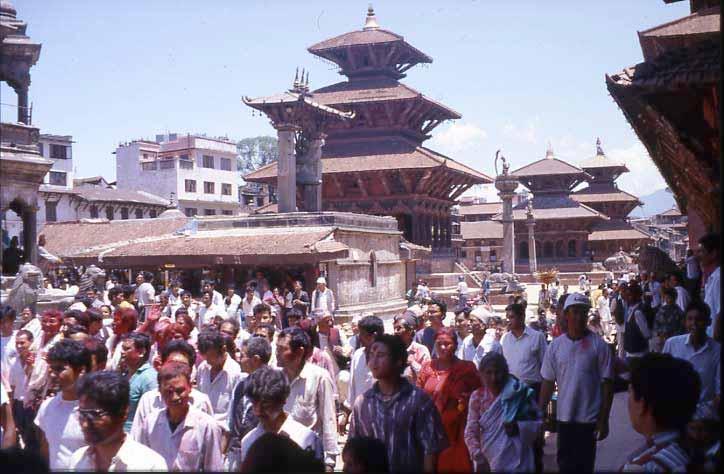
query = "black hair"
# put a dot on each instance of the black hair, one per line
(258, 346)
(397, 348)
(369, 453)
(261, 308)
(494, 358)
(92, 315)
(7, 312)
(25, 332)
(73, 353)
(72, 313)
(274, 452)
(186, 293)
(668, 386)
(140, 341)
(113, 292)
(109, 389)
(441, 304)
(669, 292)
(295, 313)
(208, 292)
(372, 325)
(234, 322)
(98, 350)
(210, 339)
(269, 327)
(297, 338)
(711, 242)
(171, 370)
(701, 307)
(75, 329)
(180, 346)
(127, 291)
(517, 309)
(267, 384)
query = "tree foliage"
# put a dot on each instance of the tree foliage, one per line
(256, 152)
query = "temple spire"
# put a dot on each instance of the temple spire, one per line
(549, 151)
(371, 20)
(296, 79)
(599, 150)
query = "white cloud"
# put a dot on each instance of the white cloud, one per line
(644, 178)
(527, 133)
(458, 138)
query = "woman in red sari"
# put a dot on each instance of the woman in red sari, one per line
(449, 381)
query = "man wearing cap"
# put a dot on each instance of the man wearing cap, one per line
(322, 298)
(581, 364)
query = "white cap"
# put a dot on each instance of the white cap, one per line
(577, 299)
(321, 281)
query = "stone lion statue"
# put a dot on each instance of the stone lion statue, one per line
(618, 262)
(93, 277)
(25, 288)
(655, 260)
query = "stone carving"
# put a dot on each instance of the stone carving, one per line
(618, 262)
(655, 260)
(93, 277)
(25, 288)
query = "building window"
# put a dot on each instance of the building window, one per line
(145, 156)
(226, 189)
(59, 152)
(191, 211)
(373, 269)
(166, 164)
(152, 213)
(58, 178)
(248, 200)
(94, 212)
(208, 162)
(225, 164)
(124, 213)
(227, 213)
(260, 201)
(190, 185)
(571, 248)
(148, 166)
(139, 213)
(208, 187)
(209, 212)
(51, 208)
(41, 149)
(109, 213)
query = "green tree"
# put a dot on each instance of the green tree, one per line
(256, 152)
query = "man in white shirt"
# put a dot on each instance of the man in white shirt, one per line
(217, 375)
(7, 341)
(311, 398)
(174, 299)
(145, 293)
(186, 437)
(322, 299)
(682, 296)
(57, 419)
(216, 298)
(248, 303)
(231, 302)
(103, 405)
(523, 348)
(28, 366)
(704, 353)
(268, 390)
(604, 311)
(581, 364)
(208, 312)
(489, 342)
(405, 327)
(709, 257)
(361, 378)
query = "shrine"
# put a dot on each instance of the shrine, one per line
(369, 132)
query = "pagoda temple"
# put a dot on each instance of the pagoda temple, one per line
(372, 158)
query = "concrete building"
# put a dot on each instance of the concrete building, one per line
(58, 149)
(197, 172)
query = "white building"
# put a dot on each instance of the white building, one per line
(59, 149)
(199, 172)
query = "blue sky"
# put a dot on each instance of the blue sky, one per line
(522, 73)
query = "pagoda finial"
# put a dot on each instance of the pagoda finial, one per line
(371, 20)
(296, 79)
(306, 83)
(599, 150)
(549, 151)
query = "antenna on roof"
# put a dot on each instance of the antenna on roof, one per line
(599, 150)
(371, 20)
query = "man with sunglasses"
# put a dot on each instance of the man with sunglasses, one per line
(103, 408)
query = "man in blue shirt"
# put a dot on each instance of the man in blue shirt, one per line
(142, 377)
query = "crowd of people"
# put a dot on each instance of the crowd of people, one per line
(128, 379)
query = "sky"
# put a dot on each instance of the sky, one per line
(524, 74)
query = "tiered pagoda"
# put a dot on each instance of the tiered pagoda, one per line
(562, 224)
(374, 162)
(603, 195)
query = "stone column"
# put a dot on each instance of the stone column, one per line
(30, 238)
(448, 231)
(287, 170)
(506, 185)
(23, 112)
(532, 261)
(309, 174)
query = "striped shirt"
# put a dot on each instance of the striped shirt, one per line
(661, 454)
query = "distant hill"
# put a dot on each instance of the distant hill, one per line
(654, 203)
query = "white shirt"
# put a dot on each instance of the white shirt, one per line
(692, 268)
(300, 434)
(462, 288)
(322, 300)
(488, 344)
(58, 419)
(18, 380)
(311, 403)
(151, 401)
(208, 313)
(195, 444)
(655, 294)
(466, 348)
(361, 378)
(682, 298)
(132, 456)
(712, 297)
(145, 293)
(217, 299)
(578, 367)
(4, 399)
(706, 360)
(524, 354)
(604, 309)
(233, 306)
(248, 307)
(221, 389)
(8, 354)
(636, 313)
